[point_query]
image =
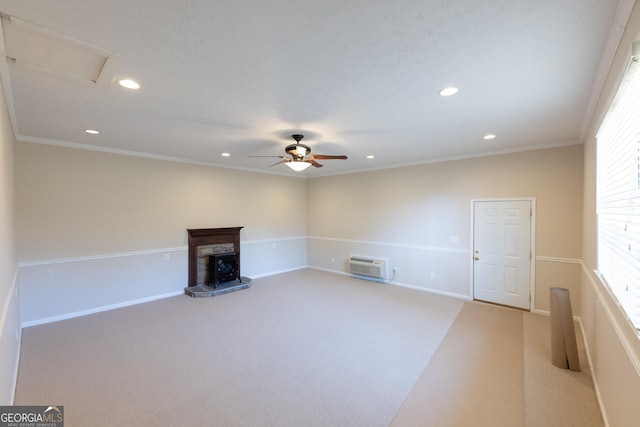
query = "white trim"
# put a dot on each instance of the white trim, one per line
(14, 384)
(316, 174)
(616, 32)
(273, 273)
(433, 291)
(589, 360)
(279, 239)
(98, 257)
(138, 253)
(12, 298)
(392, 245)
(510, 150)
(541, 312)
(593, 375)
(613, 296)
(263, 241)
(12, 295)
(132, 153)
(532, 263)
(556, 259)
(6, 84)
(547, 313)
(628, 348)
(399, 284)
(100, 309)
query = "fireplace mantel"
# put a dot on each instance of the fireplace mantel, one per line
(210, 236)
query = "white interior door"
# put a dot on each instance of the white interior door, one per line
(502, 252)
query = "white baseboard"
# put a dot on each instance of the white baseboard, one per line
(273, 273)
(399, 284)
(593, 377)
(16, 368)
(433, 291)
(13, 298)
(99, 309)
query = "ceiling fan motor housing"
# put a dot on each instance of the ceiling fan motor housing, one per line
(298, 151)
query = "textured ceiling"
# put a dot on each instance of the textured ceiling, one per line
(356, 77)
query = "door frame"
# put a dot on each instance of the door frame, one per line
(532, 279)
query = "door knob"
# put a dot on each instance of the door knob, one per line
(476, 258)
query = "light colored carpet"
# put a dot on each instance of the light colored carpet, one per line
(476, 376)
(494, 369)
(306, 348)
(556, 397)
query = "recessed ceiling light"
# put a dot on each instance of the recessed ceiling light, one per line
(92, 131)
(371, 156)
(489, 137)
(448, 91)
(225, 154)
(129, 84)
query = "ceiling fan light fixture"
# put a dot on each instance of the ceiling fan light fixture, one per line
(298, 166)
(297, 153)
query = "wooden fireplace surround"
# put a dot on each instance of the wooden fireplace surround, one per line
(210, 236)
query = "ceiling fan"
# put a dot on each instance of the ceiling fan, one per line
(300, 158)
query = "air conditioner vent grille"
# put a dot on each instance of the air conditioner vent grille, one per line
(366, 260)
(371, 267)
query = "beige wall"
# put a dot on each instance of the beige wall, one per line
(429, 203)
(425, 205)
(9, 312)
(98, 231)
(74, 203)
(612, 343)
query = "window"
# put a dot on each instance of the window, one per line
(618, 194)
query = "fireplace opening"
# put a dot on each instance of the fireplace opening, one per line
(214, 262)
(223, 268)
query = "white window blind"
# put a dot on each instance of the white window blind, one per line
(618, 195)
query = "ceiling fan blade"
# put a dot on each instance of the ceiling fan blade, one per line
(314, 163)
(327, 157)
(280, 157)
(281, 161)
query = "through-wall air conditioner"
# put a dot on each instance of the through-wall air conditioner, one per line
(376, 268)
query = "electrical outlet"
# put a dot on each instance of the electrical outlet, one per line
(395, 270)
(333, 260)
(49, 273)
(167, 257)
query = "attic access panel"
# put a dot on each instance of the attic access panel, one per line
(35, 47)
